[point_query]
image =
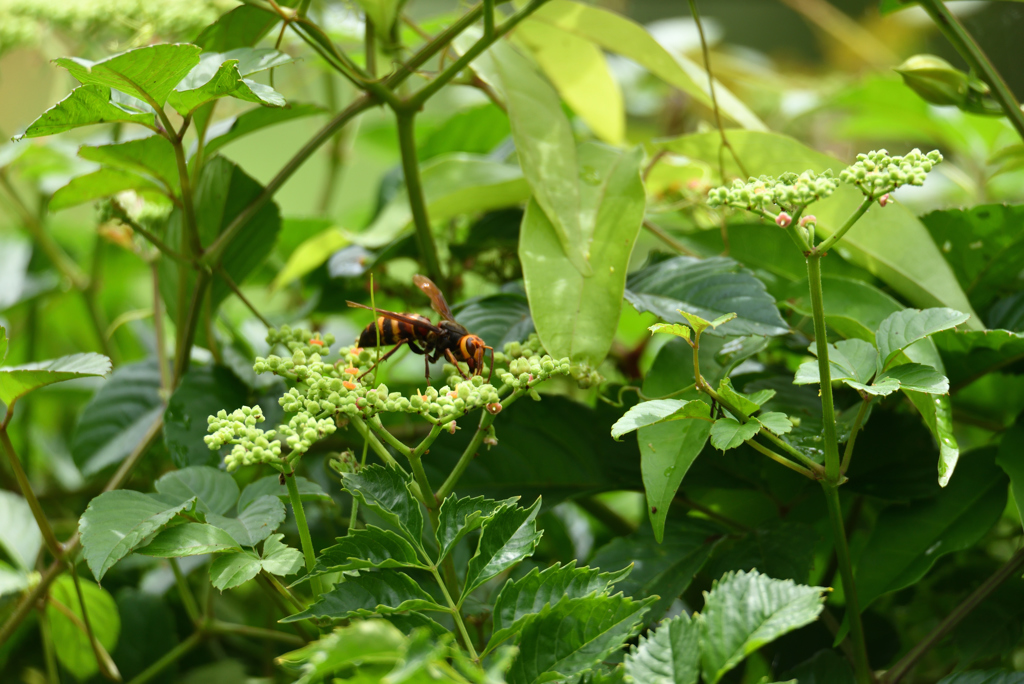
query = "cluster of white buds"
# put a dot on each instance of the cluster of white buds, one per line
(251, 444)
(877, 173)
(790, 192)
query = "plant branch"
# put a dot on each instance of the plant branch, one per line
(448, 486)
(188, 599)
(456, 615)
(219, 627)
(439, 42)
(976, 59)
(26, 491)
(238, 293)
(831, 445)
(862, 414)
(781, 460)
(121, 215)
(663, 235)
(308, 552)
(103, 660)
(417, 202)
(838, 235)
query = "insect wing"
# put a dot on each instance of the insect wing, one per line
(437, 301)
(415, 322)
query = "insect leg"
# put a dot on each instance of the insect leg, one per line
(383, 358)
(451, 357)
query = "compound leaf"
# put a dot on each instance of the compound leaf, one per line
(371, 547)
(386, 493)
(147, 73)
(371, 593)
(189, 539)
(668, 655)
(255, 523)
(214, 490)
(507, 537)
(458, 517)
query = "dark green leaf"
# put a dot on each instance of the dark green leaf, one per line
(659, 411)
(117, 418)
(190, 539)
(824, 667)
(255, 523)
(214, 490)
(372, 547)
(86, 105)
(499, 318)
(984, 677)
(71, 643)
(148, 73)
(970, 355)
(574, 635)
(458, 517)
(152, 156)
(507, 537)
(271, 484)
(203, 392)
(744, 611)
(1010, 458)
(708, 288)
(370, 593)
(668, 655)
(523, 599)
(17, 381)
(148, 631)
(904, 328)
(386, 492)
(784, 551)
(116, 523)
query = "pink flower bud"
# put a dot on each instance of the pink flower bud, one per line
(884, 199)
(451, 427)
(807, 220)
(783, 220)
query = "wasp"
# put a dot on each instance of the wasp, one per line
(447, 339)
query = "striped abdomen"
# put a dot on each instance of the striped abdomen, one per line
(392, 331)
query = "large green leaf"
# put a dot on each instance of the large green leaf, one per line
(20, 538)
(659, 411)
(507, 537)
(190, 539)
(230, 570)
(824, 667)
(890, 243)
(103, 183)
(255, 523)
(203, 392)
(222, 75)
(746, 610)
(371, 593)
(458, 517)
(904, 328)
(74, 651)
(148, 631)
(708, 288)
(386, 493)
(576, 312)
(523, 599)
(907, 540)
(17, 381)
(152, 156)
(616, 33)
(784, 551)
(578, 70)
(499, 318)
(85, 106)
(668, 655)
(116, 523)
(148, 73)
(117, 418)
(574, 635)
(970, 355)
(215, 491)
(374, 641)
(371, 547)
(232, 128)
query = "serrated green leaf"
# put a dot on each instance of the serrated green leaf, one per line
(271, 484)
(20, 538)
(363, 641)
(904, 328)
(102, 183)
(660, 411)
(917, 377)
(728, 433)
(507, 537)
(385, 491)
(458, 517)
(574, 635)
(746, 403)
(371, 547)
(278, 558)
(203, 392)
(370, 593)
(74, 651)
(881, 387)
(85, 106)
(746, 610)
(699, 325)
(672, 329)
(523, 599)
(190, 539)
(148, 73)
(230, 570)
(230, 129)
(255, 523)
(17, 381)
(152, 156)
(853, 359)
(116, 523)
(117, 418)
(984, 677)
(215, 490)
(777, 423)
(706, 289)
(668, 655)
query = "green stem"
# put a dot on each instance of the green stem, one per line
(364, 431)
(488, 19)
(440, 41)
(370, 47)
(417, 203)
(456, 615)
(26, 491)
(89, 294)
(862, 671)
(828, 414)
(379, 428)
(103, 660)
(781, 460)
(448, 486)
(976, 59)
(838, 235)
(158, 330)
(862, 413)
(283, 591)
(238, 293)
(218, 627)
(169, 658)
(163, 247)
(188, 599)
(307, 542)
(186, 333)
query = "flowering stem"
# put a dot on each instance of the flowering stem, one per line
(417, 202)
(467, 455)
(456, 614)
(838, 235)
(304, 536)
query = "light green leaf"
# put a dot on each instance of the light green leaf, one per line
(310, 255)
(116, 523)
(706, 289)
(917, 377)
(17, 381)
(380, 592)
(85, 106)
(225, 131)
(668, 655)
(777, 423)
(255, 523)
(221, 75)
(523, 599)
(676, 329)
(362, 641)
(574, 635)
(371, 547)
(271, 484)
(458, 517)
(117, 418)
(615, 33)
(386, 492)
(746, 610)
(904, 328)
(214, 490)
(152, 156)
(747, 403)
(659, 411)
(148, 73)
(190, 539)
(728, 433)
(578, 70)
(889, 242)
(20, 537)
(230, 570)
(12, 580)
(71, 643)
(507, 537)
(280, 559)
(853, 359)
(99, 184)
(576, 314)
(907, 540)
(881, 387)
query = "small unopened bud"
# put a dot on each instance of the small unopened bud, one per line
(884, 199)
(491, 441)
(494, 409)
(807, 220)
(783, 220)
(318, 343)
(451, 428)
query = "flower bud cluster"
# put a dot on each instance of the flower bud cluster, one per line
(251, 444)
(456, 398)
(526, 366)
(790, 191)
(877, 173)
